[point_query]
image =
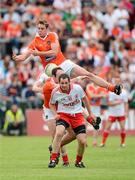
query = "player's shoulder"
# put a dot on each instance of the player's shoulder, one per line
(76, 86)
(53, 34)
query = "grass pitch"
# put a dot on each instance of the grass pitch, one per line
(27, 158)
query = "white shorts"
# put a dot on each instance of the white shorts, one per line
(67, 66)
(47, 114)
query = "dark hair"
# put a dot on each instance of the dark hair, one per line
(41, 20)
(54, 71)
(64, 76)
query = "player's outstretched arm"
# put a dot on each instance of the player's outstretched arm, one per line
(21, 57)
(87, 105)
(94, 121)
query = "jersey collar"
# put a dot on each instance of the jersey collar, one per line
(37, 35)
(61, 91)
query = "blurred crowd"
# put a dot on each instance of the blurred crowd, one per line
(99, 35)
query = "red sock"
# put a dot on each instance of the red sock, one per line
(65, 158)
(54, 156)
(78, 158)
(123, 136)
(105, 135)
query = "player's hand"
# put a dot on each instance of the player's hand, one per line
(118, 89)
(35, 52)
(14, 57)
(94, 121)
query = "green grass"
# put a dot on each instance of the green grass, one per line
(26, 158)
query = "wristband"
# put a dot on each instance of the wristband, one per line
(111, 87)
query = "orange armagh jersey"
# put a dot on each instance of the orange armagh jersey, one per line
(47, 90)
(96, 91)
(44, 44)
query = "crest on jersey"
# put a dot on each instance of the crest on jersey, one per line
(48, 42)
(76, 96)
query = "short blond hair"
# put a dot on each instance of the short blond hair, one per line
(41, 20)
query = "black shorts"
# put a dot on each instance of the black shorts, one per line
(77, 130)
(80, 129)
(62, 122)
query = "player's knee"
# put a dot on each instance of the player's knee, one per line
(59, 134)
(83, 142)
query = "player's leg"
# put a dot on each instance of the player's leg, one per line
(123, 132)
(80, 132)
(79, 71)
(106, 131)
(68, 137)
(75, 70)
(61, 125)
(64, 156)
(52, 128)
(51, 123)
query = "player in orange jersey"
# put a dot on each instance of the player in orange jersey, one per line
(46, 46)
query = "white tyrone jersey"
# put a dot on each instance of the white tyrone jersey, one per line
(68, 103)
(118, 110)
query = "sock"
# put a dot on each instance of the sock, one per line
(123, 136)
(54, 156)
(65, 158)
(105, 135)
(78, 158)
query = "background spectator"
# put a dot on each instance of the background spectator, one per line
(14, 120)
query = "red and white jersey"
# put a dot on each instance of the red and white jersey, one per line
(117, 110)
(70, 103)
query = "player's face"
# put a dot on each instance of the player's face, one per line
(64, 84)
(42, 31)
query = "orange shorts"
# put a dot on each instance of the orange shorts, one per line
(74, 120)
(118, 118)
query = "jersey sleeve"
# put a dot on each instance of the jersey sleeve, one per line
(81, 91)
(53, 97)
(110, 97)
(125, 97)
(53, 37)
